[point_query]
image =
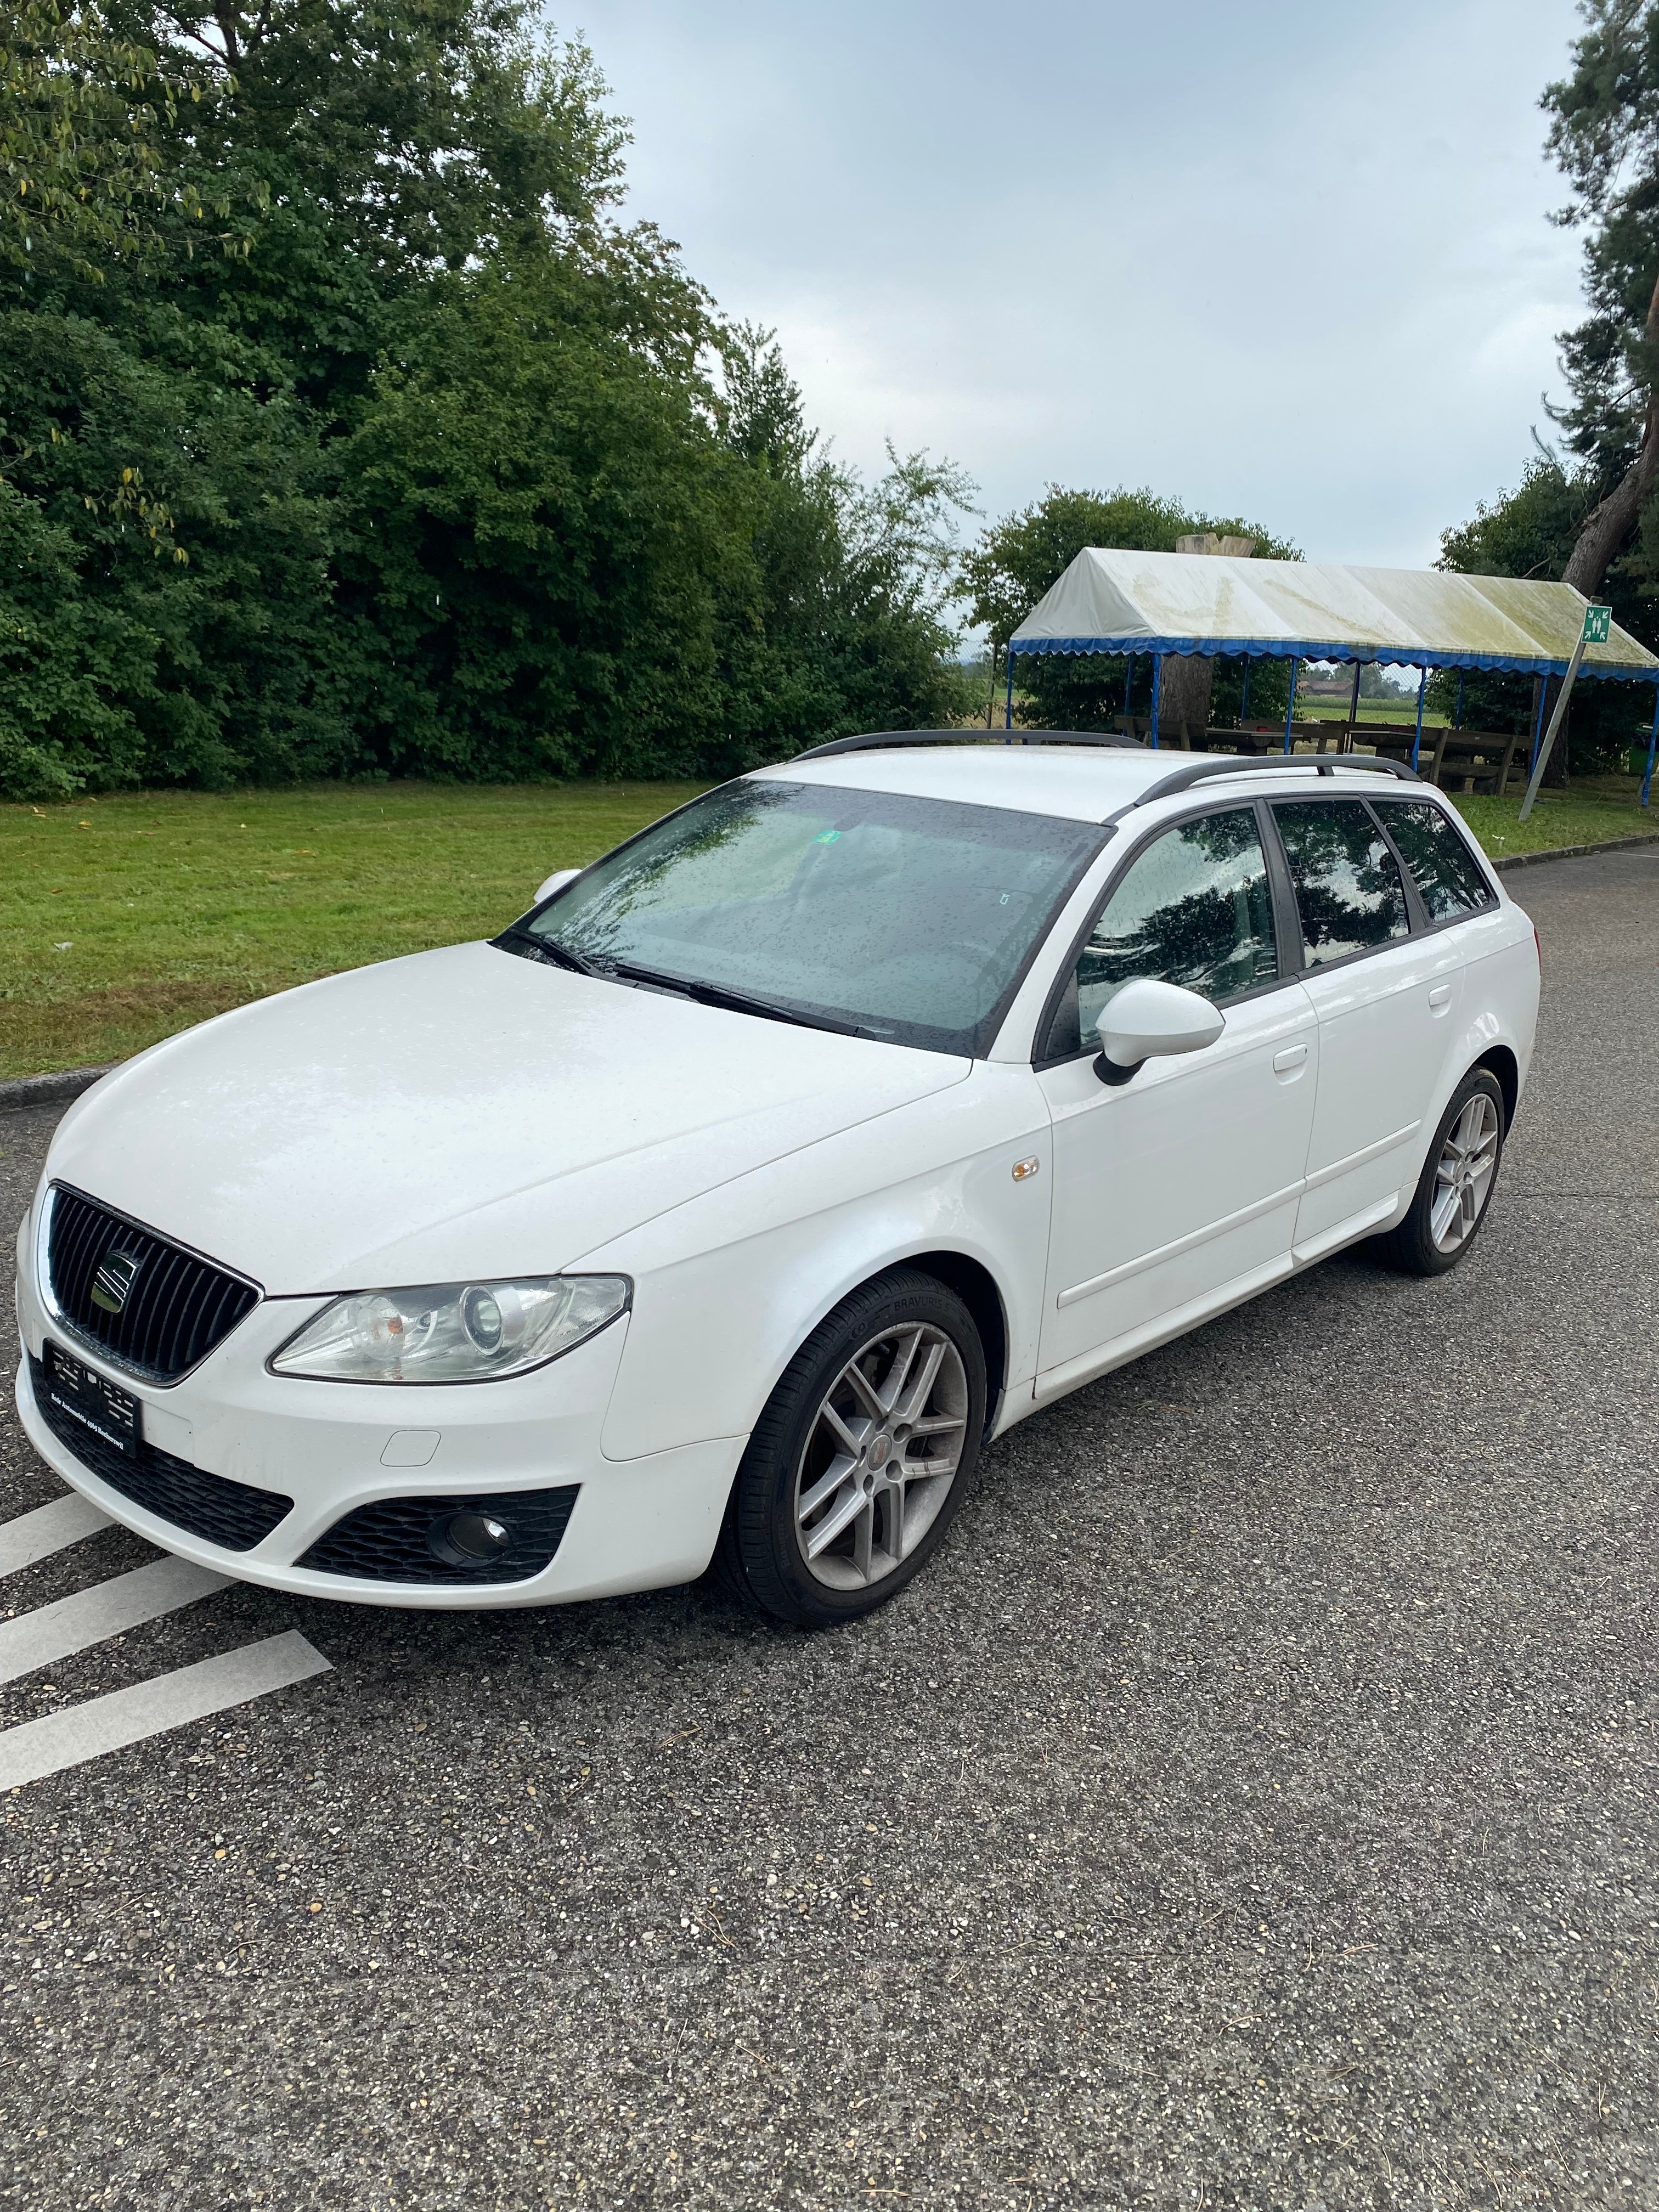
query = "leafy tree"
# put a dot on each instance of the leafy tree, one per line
(850, 625)
(1604, 134)
(1018, 559)
(356, 433)
(60, 661)
(1532, 531)
(539, 535)
(83, 176)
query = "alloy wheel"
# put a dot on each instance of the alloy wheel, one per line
(881, 1456)
(1463, 1174)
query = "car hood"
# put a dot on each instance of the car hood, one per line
(458, 1113)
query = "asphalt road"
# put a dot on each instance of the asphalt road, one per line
(1254, 1807)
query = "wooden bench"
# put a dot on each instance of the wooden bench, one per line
(1457, 760)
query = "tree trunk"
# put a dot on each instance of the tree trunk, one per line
(1183, 695)
(1184, 689)
(1608, 524)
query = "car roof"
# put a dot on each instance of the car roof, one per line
(1078, 783)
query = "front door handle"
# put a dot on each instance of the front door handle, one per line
(1292, 1057)
(1440, 998)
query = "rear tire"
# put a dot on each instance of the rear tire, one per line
(1455, 1189)
(858, 1464)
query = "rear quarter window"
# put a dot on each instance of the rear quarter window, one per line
(1446, 872)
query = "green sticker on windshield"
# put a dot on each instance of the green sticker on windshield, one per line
(826, 836)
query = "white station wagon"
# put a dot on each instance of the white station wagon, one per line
(729, 1202)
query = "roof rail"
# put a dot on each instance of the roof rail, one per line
(875, 739)
(1215, 765)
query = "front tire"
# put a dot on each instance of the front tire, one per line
(860, 1459)
(1455, 1187)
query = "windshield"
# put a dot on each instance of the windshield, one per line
(905, 919)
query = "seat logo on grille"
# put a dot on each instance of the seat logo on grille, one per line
(112, 1284)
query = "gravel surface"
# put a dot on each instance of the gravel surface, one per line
(1254, 1807)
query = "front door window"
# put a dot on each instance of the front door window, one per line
(1194, 909)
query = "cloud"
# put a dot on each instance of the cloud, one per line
(1290, 262)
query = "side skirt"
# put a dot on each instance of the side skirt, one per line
(1057, 1382)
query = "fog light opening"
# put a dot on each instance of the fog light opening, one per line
(469, 1539)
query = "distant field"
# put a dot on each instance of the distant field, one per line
(124, 919)
(1371, 710)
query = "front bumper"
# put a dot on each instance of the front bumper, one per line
(635, 1524)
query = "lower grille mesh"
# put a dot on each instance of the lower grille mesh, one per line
(390, 1541)
(233, 1515)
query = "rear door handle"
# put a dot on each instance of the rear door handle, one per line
(1440, 998)
(1291, 1056)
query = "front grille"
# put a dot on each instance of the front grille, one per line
(233, 1515)
(391, 1541)
(173, 1306)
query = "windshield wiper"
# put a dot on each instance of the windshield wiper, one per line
(733, 1002)
(706, 994)
(555, 954)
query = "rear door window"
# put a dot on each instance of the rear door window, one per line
(1444, 870)
(1348, 890)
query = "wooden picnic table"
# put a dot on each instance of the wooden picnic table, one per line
(1461, 759)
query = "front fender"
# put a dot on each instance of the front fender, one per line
(728, 1286)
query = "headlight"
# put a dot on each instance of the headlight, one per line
(452, 1332)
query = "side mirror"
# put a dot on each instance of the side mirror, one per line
(1148, 1020)
(556, 882)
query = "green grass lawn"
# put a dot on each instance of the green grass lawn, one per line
(124, 919)
(1595, 809)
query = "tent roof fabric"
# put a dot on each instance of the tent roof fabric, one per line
(1113, 601)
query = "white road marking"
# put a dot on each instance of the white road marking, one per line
(128, 1717)
(49, 1529)
(75, 1624)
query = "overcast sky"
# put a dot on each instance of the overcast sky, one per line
(1283, 259)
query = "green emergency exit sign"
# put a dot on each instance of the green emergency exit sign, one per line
(1598, 622)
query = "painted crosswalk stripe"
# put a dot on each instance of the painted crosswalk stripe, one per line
(49, 1529)
(75, 1624)
(128, 1717)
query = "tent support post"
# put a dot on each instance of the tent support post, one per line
(1457, 721)
(1289, 711)
(1008, 705)
(1422, 693)
(1353, 710)
(1538, 723)
(1653, 742)
(1128, 690)
(1158, 686)
(1244, 703)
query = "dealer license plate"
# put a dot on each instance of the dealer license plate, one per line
(79, 1391)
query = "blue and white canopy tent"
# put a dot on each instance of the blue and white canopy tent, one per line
(1120, 602)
